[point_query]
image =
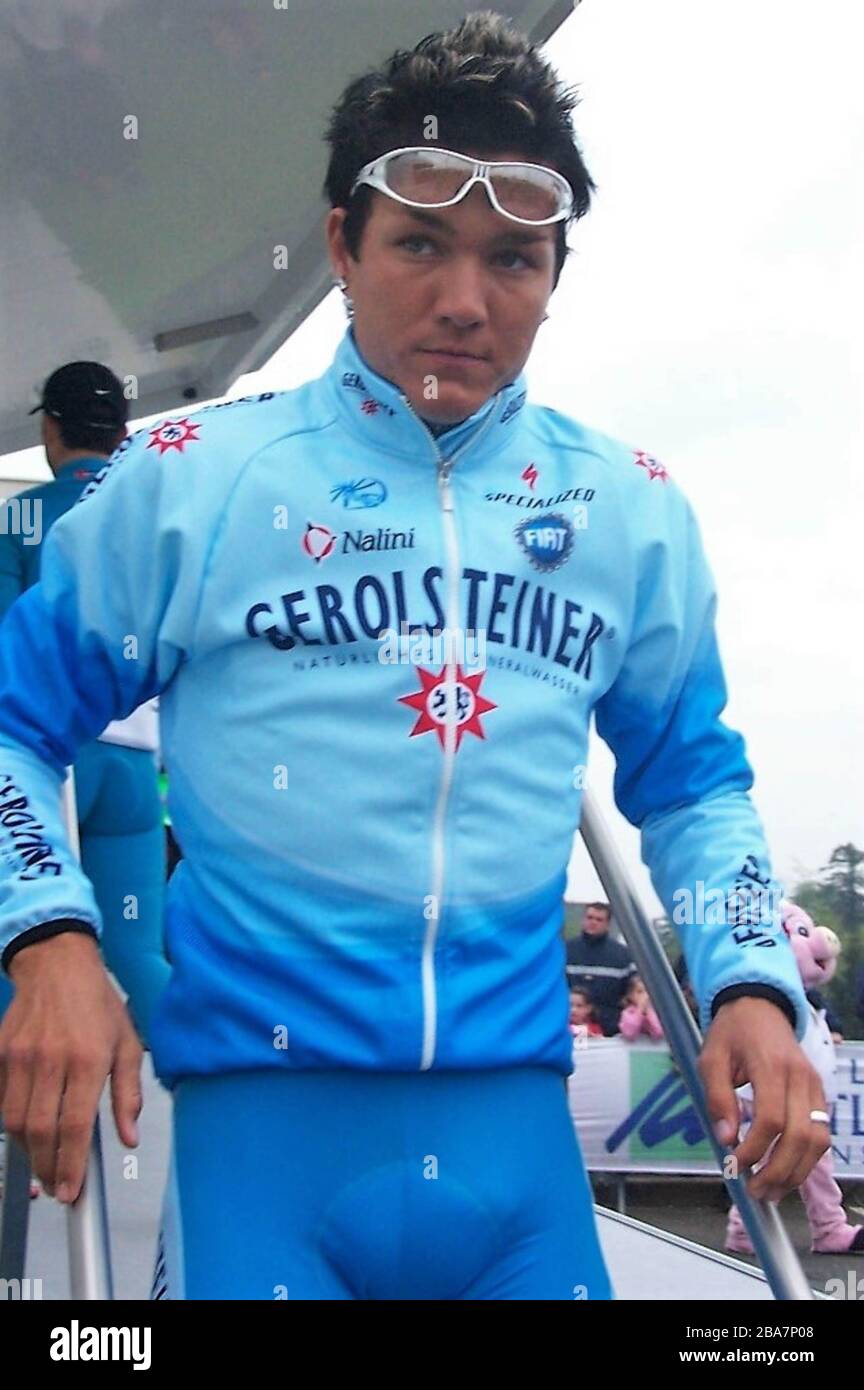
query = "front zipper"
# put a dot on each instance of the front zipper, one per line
(451, 621)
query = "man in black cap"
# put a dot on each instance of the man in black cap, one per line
(83, 421)
(84, 414)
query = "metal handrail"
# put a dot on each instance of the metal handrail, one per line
(771, 1242)
(90, 1275)
(14, 1212)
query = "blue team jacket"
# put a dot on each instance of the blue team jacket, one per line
(26, 519)
(377, 824)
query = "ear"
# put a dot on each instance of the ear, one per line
(50, 431)
(340, 257)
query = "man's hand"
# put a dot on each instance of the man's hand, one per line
(64, 1031)
(752, 1040)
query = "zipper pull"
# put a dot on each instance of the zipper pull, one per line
(444, 482)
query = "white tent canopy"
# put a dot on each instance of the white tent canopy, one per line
(154, 159)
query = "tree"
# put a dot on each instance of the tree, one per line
(844, 881)
(836, 899)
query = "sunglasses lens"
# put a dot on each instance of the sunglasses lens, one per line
(532, 194)
(426, 177)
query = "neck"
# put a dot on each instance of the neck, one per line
(70, 456)
(437, 427)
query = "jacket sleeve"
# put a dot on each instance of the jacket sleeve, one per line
(653, 1026)
(682, 777)
(106, 628)
(630, 1022)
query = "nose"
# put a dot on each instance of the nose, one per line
(461, 298)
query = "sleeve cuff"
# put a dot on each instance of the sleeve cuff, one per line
(774, 996)
(44, 932)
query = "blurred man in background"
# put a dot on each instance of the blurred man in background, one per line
(596, 961)
(84, 413)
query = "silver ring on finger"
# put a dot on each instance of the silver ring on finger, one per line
(820, 1117)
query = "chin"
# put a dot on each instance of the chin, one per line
(451, 406)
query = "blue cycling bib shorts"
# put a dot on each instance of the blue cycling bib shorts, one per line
(361, 1185)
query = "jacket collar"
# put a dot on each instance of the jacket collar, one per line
(85, 467)
(376, 412)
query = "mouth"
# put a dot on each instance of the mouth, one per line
(450, 355)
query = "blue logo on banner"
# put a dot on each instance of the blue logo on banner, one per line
(546, 540)
(666, 1110)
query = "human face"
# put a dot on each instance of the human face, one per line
(447, 301)
(594, 922)
(580, 1009)
(638, 995)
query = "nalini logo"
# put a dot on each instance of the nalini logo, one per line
(546, 540)
(360, 493)
(318, 542)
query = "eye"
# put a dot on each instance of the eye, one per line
(803, 931)
(526, 261)
(414, 241)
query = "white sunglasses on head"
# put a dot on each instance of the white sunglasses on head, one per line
(424, 176)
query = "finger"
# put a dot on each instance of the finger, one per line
(715, 1067)
(776, 1178)
(80, 1105)
(41, 1129)
(126, 1096)
(820, 1134)
(769, 1118)
(19, 1065)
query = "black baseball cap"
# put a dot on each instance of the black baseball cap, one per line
(84, 393)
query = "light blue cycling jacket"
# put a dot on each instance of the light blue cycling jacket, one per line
(376, 822)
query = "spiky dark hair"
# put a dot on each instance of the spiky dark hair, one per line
(488, 88)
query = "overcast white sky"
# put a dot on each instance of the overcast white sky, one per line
(711, 315)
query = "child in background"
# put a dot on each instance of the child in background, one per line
(583, 1024)
(638, 1015)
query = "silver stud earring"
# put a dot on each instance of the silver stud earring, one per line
(346, 298)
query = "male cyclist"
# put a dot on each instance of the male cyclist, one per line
(366, 1024)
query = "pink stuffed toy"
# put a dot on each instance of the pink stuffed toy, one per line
(816, 951)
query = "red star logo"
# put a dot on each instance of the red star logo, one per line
(433, 701)
(173, 434)
(655, 469)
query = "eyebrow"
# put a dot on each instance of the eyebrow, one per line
(523, 236)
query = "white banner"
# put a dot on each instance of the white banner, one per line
(633, 1113)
